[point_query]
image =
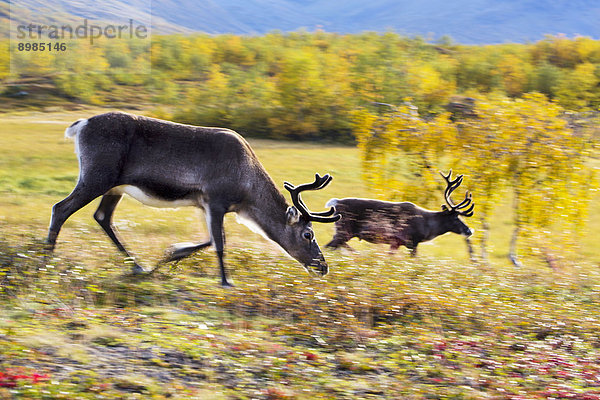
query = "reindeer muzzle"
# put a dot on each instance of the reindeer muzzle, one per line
(318, 267)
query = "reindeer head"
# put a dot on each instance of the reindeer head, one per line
(299, 239)
(455, 210)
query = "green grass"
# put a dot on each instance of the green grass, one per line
(378, 326)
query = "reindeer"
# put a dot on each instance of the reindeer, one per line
(399, 224)
(165, 164)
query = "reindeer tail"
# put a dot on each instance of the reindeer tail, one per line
(75, 128)
(73, 131)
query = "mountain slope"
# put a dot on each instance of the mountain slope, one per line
(466, 21)
(73, 12)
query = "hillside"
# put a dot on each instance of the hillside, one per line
(466, 21)
(42, 12)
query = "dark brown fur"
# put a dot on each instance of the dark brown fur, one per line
(396, 224)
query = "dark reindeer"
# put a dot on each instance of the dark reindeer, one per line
(164, 164)
(399, 224)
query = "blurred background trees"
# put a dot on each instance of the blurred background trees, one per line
(522, 149)
(306, 85)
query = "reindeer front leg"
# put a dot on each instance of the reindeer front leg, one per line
(215, 215)
(214, 222)
(412, 244)
(180, 251)
(413, 250)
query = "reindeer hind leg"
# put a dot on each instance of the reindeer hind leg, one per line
(339, 240)
(98, 173)
(61, 211)
(103, 216)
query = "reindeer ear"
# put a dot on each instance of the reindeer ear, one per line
(292, 215)
(444, 207)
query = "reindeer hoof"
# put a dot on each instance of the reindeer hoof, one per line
(138, 270)
(227, 284)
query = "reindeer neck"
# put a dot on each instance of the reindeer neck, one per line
(436, 224)
(266, 210)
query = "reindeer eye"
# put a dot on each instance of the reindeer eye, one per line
(308, 235)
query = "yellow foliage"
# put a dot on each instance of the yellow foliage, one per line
(579, 88)
(514, 74)
(400, 152)
(588, 49)
(428, 86)
(523, 145)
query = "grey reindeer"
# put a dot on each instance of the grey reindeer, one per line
(165, 164)
(399, 224)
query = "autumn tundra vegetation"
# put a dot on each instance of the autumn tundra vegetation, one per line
(517, 318)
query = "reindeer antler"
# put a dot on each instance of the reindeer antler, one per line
(451, 186)
(319, 183)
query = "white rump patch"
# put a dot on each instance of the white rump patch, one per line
(74, 130)
(332, 202)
